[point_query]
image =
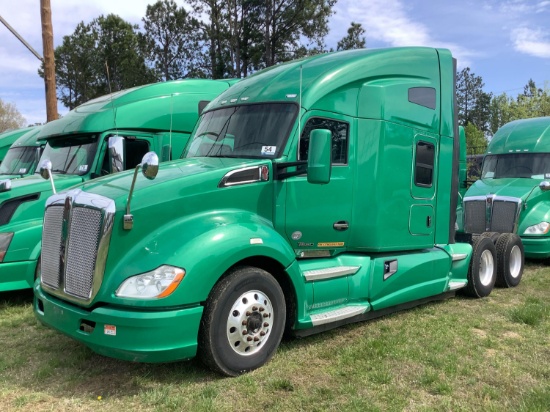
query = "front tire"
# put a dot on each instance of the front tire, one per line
(510, 260)
(243, 322)
(482, 271)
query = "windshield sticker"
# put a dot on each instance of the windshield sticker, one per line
(268, 150)
(547, 175)
(83, 168)
(22, 171)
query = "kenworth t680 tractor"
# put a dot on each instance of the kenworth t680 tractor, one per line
(315, 193)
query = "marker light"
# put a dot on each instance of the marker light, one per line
(158, 283)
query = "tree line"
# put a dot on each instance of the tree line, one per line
(213, 39)
(482, 113)
(233, 39)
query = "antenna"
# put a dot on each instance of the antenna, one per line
(111, 96)
(171, 117)
(300, 106)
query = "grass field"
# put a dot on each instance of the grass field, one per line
(461, 354)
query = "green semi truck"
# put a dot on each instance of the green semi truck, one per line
(8, 137)
(512, 194)
(105, 135)
(22, 157)
(313, 194)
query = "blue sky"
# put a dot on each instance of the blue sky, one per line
(506, 42)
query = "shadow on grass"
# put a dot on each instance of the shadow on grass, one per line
(16, 298)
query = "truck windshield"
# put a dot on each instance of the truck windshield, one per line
(527, 165)
(18, 160)
(71, 156)
(250, 131)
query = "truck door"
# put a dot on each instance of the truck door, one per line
(423, 182)
(318, 217)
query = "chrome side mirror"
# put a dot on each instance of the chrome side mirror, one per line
(150, 165)
(46, 169)
(5, 185)
(46, 172)
(116, 153)
(544, 186)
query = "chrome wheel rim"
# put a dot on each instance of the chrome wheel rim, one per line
(249, 322)
(486, 267)
(515, 261)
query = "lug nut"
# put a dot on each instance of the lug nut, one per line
(266, 315)
(266, 324)
(244, 322)
(262, 309)
(262, 333)
(256, 339)
(245, 332)
(254, 308)
(248, 313)
(249, 338)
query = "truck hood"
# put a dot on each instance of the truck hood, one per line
(35, 184)
(189, 172)
(521, 188)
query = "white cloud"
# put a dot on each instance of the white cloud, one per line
(533, 42)
(389, 21)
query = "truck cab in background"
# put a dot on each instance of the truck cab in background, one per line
(101, 137)
(512, 195)
(22, 157)
(312, 194)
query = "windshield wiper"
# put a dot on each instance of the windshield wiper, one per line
(60, 171)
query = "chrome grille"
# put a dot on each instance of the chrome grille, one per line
(75, 244)
(51, 246)
(491, 214)
(504, 217)
(474, 219)
(84, 232)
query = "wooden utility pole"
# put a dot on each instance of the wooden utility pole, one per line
(49, 60)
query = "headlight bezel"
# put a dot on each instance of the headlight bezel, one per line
(165, 279)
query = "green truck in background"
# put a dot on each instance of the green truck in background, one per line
(103, 136)
(8, 137)
(512, 194)
(313, 194)
(22, 157)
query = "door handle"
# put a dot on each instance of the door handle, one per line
(341, 225)
(428, 221)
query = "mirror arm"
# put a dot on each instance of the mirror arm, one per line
(128, 218)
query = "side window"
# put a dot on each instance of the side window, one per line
(135, 149)
(340, 131)
(424, 164)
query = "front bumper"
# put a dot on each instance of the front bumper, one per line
(536, 248)
(123, 333)
(17, 275)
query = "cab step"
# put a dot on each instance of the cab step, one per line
(339, 314)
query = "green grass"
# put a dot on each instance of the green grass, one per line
(461, 354)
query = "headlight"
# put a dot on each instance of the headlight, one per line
(158, 283)
(5, 240)
(538, 229)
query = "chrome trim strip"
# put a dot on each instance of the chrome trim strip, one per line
(456, 285)
(330, 273)
(224, 183)
(459, 256)
(338, 314)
